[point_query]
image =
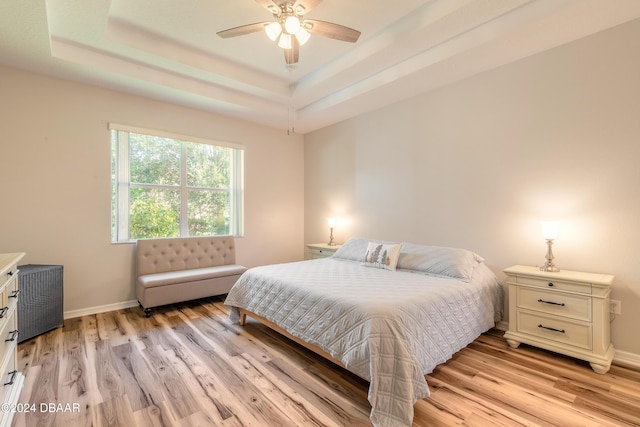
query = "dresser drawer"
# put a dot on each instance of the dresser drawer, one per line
(556, 303)
(12, 287)
(9, 287)
(553, 328)
(8, 333)
(7, 376)
(550, 283)
(4, 308)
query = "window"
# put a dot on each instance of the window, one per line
(163, 185)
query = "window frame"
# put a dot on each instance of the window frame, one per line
(123, 184)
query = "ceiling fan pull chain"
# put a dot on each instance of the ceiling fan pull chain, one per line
(291, 117)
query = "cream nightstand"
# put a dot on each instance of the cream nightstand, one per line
(320, 250)
(566, 312)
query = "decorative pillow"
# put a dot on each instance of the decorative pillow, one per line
(439, 261)
(381, 255)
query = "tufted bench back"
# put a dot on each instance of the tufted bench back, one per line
(184, 253)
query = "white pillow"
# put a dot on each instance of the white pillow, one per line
(354, 248)
(439, 261)
(382, 255)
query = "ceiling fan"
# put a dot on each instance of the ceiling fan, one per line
(291, 29)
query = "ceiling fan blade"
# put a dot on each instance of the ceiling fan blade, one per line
(270, 5)
(331, 30)
(292, 55)
(303, 6)
(242, 30)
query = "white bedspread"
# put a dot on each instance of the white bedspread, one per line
(390, 328)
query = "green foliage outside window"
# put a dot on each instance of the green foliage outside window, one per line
(172, 181)
(154, 214)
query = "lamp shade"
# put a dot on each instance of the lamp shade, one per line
(549, 229)
(285, 41)
(273, 30)
(303, 36)
(331, 222)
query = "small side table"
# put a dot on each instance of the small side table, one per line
(320, 250)
(566, 312)
(40, 306)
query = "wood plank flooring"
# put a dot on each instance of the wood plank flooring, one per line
(188, 366)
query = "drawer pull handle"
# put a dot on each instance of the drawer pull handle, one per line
(13, 377)
(550, 284)
(561, 304)
(551, 329)
(14, 294)
(14, 335)
(3, 312)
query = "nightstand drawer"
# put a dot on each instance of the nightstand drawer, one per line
(550, 283)
(555, 329)
(556, 303)
(321, 253)
(320, 250)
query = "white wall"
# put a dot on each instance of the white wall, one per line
(479, 163)
(56, 185)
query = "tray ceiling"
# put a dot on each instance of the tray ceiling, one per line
(169, 50)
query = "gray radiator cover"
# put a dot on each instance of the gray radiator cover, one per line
(40, 302)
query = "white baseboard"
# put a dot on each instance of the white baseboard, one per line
(99, 309)
(627, 359)
(620, 357)
(502, 326)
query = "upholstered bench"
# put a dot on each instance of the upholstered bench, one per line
(182, 269)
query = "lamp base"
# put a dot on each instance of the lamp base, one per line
(550, 268)
(549, 265)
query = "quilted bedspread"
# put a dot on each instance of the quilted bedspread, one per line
(389, 327)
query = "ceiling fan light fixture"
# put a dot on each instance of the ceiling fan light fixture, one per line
(273, 30)
(285, 41)
(292, 24)
(303, 36)
(290, 29)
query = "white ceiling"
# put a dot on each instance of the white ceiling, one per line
(169, 50)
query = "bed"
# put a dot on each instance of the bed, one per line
(388, 312)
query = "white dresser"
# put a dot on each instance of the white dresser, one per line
(566, 312)
(320, 250)
(11, 380)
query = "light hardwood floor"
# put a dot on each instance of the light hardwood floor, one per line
(188, 365)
